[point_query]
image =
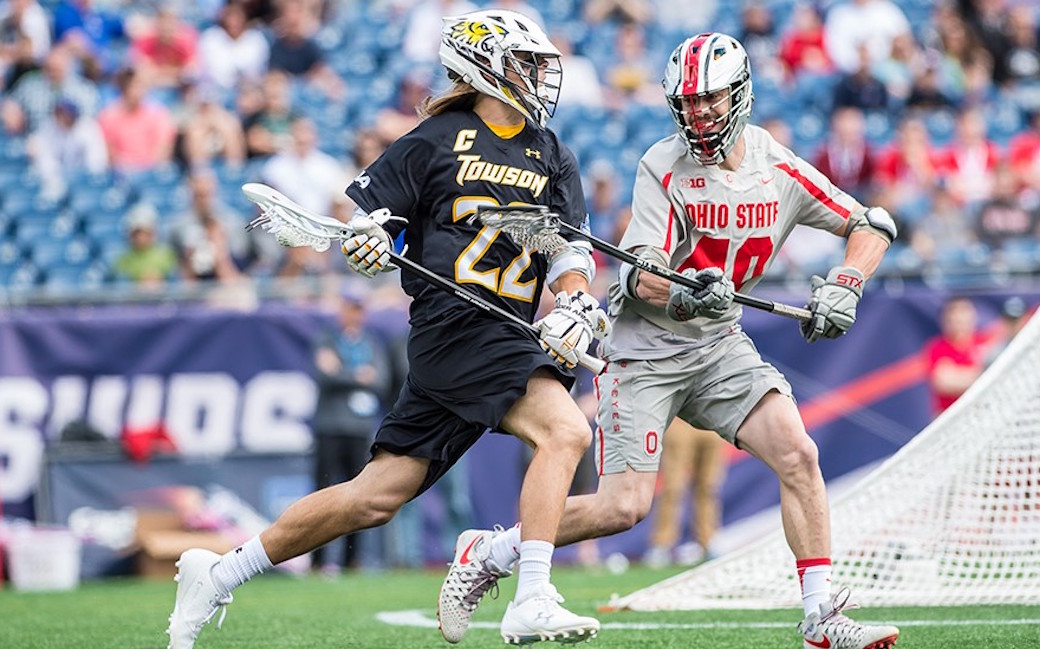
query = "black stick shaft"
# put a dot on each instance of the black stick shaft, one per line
(793, 312)
(586, 360)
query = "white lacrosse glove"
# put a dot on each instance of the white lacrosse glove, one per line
(368, 250)
(570, 327)
(712, 300)
(833, 303)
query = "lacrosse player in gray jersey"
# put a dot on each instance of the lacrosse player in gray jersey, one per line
(715, 201)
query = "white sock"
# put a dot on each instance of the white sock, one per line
(815, 578)
(535, 566)
(241, 564)
(505, 548)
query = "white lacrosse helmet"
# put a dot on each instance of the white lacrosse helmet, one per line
(704, 65)
(482, 46)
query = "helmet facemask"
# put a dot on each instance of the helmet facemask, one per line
(506, 56)
(711, 122)
(708, 88)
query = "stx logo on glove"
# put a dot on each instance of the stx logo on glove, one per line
(844, 279)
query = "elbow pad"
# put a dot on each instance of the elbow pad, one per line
(575, 256)
(878, 220)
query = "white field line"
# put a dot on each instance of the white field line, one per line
(419, 618)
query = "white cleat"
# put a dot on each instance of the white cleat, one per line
(831, 629)
(471, 575)
(198, 598)
(541, 618)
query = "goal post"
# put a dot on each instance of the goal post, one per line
(952, 518)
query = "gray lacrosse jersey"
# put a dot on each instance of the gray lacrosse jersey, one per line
(700, 216)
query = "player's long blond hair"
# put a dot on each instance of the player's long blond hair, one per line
(460, 96)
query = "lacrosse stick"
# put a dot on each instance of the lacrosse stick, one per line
(295, 226)
(535, 227)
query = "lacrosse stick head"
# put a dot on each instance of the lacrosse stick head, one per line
(290, 223)
(531, 226)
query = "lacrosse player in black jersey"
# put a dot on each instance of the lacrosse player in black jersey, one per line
(483, 142)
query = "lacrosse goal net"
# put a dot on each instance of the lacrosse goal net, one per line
(953, 518)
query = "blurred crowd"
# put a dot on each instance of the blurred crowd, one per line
(129, 127)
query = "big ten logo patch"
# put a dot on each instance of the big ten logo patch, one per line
(693, 183)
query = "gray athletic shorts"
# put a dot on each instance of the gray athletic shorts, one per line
(712, 387)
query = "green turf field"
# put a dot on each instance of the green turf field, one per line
(356, 610)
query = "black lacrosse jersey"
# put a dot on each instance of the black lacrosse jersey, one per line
(437, 175)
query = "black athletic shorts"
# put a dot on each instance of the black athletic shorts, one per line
(464, 375)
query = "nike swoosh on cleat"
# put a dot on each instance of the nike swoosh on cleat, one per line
(464, 559)
(824, 644)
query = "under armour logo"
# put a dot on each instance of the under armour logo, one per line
(533, 153)
(543, 616)
(363, 180)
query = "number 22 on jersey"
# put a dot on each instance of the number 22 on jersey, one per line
(505, 282)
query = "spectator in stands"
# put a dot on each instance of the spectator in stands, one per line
(899, 70)
(986, 20)
(167, 50)
(696, 459)
(210, 132)
(861, 89)
(80, 20)
(854, 24)
(583, 87)
(16, 61)
(400, 117)
(927, 88)
(969, 161)
(296, 52)
(148, 262)
(845, 157)
(210, 238)
(310, 177)
(604, 201)
(639, 12)
(24, 18)
(758, 34)
(302, 171)
(1013, 317)
(955, 358)
(422, 30)
(779, 129)
(908, 169)
(802, 48)
(231, 51)
(1004, 217)
(1024, 156)
(631, 75)
(967, 70)
(140, 133)
(354, 374)
(684, 17)
(940, 233)
(32, 99)
(367, 147)
(65, 146)
(1021, 61)
(267, 130)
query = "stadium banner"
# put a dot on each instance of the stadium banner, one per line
(227, 382)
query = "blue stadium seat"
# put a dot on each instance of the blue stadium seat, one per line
(87, 200)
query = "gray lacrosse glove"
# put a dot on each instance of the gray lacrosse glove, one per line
(570, 327)
(833, 303)
(712, 300)
(367, 252)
